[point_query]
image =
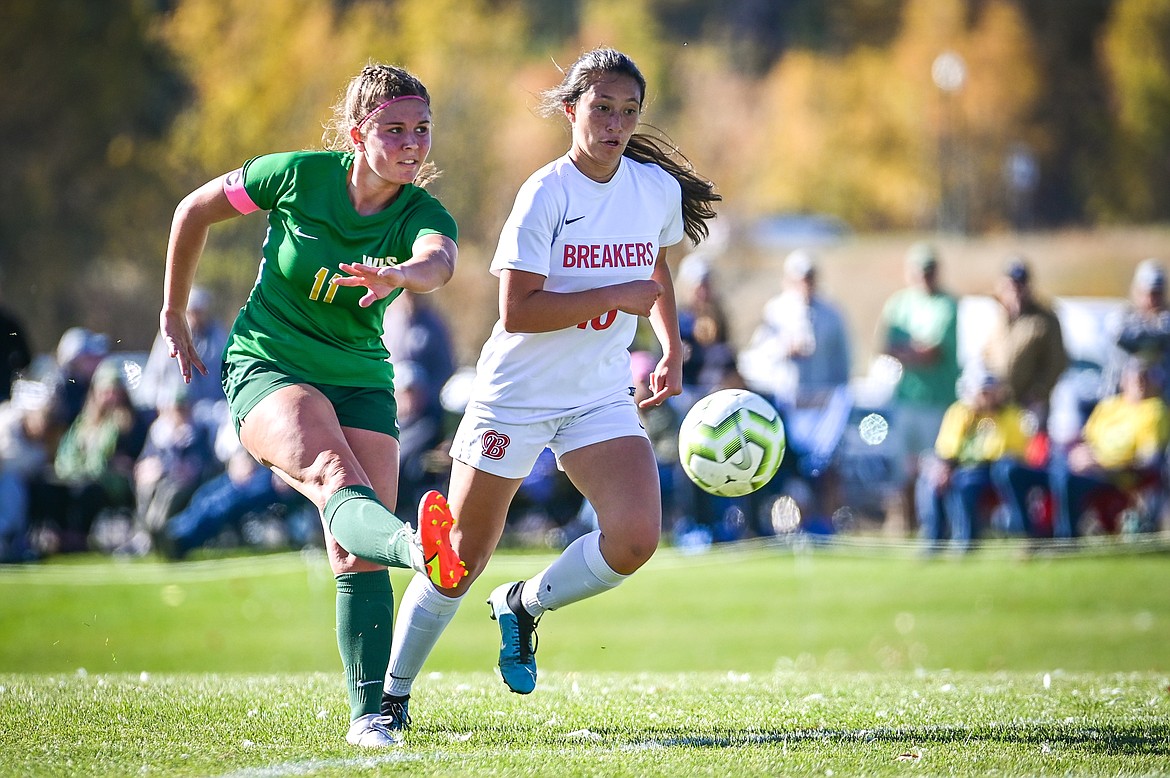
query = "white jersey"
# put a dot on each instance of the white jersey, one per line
(579, 234)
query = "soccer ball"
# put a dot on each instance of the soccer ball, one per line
(731, 442)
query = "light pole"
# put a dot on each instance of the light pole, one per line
(949, 73)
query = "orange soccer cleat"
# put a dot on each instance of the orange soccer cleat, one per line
(444, 567)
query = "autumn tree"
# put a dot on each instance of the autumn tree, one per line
(1135, 49)
(858, 133)
(78, 187)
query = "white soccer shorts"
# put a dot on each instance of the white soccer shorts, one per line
(510, 450)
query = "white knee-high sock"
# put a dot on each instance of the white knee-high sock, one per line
(423, 614)
(579, 572)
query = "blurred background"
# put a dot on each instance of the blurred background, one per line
(991, 126)
(857, 130)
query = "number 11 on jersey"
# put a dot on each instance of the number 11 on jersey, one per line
(319, 280)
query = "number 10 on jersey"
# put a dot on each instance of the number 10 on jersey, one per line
(601, 322)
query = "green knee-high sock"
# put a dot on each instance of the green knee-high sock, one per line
(365, 527)
(365, 615)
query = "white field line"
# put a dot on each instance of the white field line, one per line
(928, 733)
(313, 766)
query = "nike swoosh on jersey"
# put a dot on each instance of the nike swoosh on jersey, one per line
(368, 683)
(299, 234)
(575, 219)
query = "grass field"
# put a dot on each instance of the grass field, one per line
(747, 660)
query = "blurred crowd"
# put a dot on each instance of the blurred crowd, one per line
(969, 440)
(101, 451)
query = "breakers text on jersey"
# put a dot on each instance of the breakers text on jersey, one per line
(603, 255)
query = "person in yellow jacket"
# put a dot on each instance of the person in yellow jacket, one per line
(1122, 445)
(979, 429)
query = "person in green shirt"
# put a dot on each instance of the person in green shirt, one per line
(308, 380)
(919, 328)
(94, 461)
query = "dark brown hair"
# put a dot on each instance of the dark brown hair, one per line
(698, 194)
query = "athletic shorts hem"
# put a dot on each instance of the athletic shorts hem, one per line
(246, 382)
(510, 450)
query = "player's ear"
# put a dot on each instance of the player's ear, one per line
(356, 136)
(571, 111)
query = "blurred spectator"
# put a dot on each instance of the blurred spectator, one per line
(800, 351)
(799, 357)
(79, 352)
(419, 342)
(15, 354)
(94, 462)
(1122, 446)
(1025, 348)
(547, 506)
(919, 328)
(980, 428)
(420, 422)
(244, 487)
(161, 376)
(415, 332)
(661, 423)
(1144, 329)
(178, 456)
(23, 459)
(703, 324)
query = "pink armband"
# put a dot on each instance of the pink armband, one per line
(233, 187)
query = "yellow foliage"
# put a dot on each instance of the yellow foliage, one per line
(1136, 52)
(465, 52)
(265, 73)
(859, 135)
(1136, 56)
(863, 133)
(630, 27)
(277, 66)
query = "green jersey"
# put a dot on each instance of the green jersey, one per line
(914, 316)
(295, 318)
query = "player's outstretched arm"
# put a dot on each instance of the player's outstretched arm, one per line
(431, 266)
(192, 221)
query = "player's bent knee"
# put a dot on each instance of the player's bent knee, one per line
(328, 472)
(626, 557)
(641, 553)
(475, 565)
(460, 588)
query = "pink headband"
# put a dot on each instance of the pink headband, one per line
(380, 106)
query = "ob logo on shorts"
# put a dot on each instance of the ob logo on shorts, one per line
(494, 444)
